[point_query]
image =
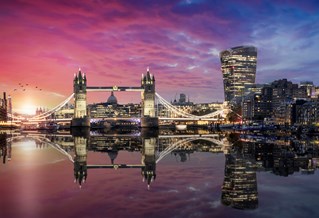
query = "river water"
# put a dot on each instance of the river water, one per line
(158, 174)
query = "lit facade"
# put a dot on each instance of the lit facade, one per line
(257, 105)
(79, 86)
(239, 188)
(238, 67)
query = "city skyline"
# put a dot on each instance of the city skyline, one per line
(44, 43)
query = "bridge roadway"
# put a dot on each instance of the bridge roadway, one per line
(37, 134)
(113, 88)
(114, 166)
(125, 118)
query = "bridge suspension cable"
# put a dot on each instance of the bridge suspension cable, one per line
(53, 110)
(173, 108)
(221, 113)
(172, 147)
(57, 147)
(177, 111)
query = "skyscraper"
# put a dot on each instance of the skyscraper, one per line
(238, 66)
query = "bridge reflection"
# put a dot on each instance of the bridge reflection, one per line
(244, 155)
(153, 146)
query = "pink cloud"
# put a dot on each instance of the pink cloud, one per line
(114, 42)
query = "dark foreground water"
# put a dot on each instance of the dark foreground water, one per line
(165, 174)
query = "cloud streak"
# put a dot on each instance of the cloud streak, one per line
(114, 42)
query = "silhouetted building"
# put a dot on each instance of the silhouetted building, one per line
(307, 113)
(285, 94)
(283, 113)
(3, 147)
(284, 90)
(3, 108)
(40, 111)
(264, 154)
(283, 162)
(112, 100)
(276, 101)
(182, 98)
(298, 115)
(310, 88)
(238, 66)
(257, 106)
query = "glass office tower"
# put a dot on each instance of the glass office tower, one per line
(238, 66)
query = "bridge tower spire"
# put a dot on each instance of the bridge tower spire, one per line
(148, 117)
(80, 118)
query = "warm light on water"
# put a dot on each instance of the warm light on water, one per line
(39, 180)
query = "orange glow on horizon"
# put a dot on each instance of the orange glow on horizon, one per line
(27, 109)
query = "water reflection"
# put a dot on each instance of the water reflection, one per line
(153, 147)
(5, 147)
(244, 155)
(80, 159)
(281, 155)
(239, 189)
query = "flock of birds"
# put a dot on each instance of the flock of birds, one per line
(26, 86)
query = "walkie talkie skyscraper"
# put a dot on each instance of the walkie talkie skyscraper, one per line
(238, 66)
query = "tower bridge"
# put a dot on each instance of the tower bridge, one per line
(149, 97)
(147, 89)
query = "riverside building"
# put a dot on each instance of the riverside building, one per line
(238, 66)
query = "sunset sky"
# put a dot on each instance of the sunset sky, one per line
(43, 43)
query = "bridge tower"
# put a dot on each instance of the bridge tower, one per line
(80, 163)
(148, 118)
(149, 160)
(80, 118)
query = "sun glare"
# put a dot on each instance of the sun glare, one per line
(28, 109)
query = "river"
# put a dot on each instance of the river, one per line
(158, 174)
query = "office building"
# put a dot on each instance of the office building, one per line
(238, 67)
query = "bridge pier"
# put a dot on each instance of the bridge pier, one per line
(149, 122)
(148, 118)
(149, 159)
(80, 122)
(81, 118)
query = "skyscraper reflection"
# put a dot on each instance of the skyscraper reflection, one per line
(196, 181)
(244, 155)
(239, 189)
